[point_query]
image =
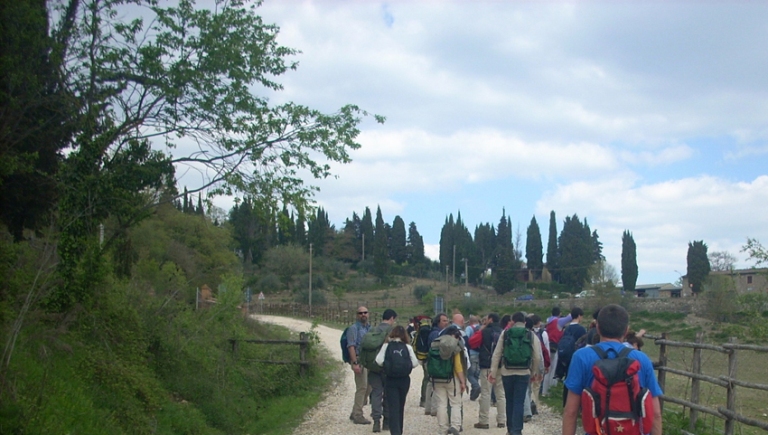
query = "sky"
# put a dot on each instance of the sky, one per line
(649, 117)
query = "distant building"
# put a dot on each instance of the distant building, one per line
(745, 280)
(665, 290)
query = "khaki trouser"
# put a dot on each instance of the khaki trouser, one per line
(445, 393)
(485, 399)
(535, 391)
(361, 391)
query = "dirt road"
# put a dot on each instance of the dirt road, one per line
(331, 416)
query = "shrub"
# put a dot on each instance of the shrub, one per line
(471, 305)
(269, 283)
(420, 291)
(318, 297)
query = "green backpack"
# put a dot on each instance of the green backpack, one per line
(518, 348)
(370, 346)
(439, 369)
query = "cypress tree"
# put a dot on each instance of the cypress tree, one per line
(534, 254)
(399, 252)
(629, 270)
(552, 249)
(415, 245)
(698, 265)
(504, 271)
(380, 248)
(366, 227)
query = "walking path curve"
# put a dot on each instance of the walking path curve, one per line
(331, 416)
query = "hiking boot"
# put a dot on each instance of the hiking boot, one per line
(474, 394)
(422, 402)
(501, 425)
(376, 426)
(482, 426)
(453, 431)
(534, 411)
(361, 420)
(352, 417)
(527, 418)
(427, 412)
(385, 425)
(433, 414)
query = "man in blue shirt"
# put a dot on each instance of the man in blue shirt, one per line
(612, 325)
(354, 339)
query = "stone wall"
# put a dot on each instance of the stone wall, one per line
(688, 305)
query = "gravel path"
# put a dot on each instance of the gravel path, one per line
(331, 416)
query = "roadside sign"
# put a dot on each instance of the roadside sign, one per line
(261, 296)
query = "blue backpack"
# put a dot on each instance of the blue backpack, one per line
(344, 346)
(567, 345)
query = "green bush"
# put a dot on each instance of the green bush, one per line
(269, 283)
(420, 291)
(318, 297)
(471, 306)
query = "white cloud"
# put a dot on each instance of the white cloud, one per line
(432, 252)
(664, 217)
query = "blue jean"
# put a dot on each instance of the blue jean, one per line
(515, 388)
(474, 371)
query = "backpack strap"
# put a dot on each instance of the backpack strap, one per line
(625, 352)
(600, 352)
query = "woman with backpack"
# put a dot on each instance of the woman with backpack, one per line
(398, 359)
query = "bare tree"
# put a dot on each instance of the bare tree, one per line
(721, 261)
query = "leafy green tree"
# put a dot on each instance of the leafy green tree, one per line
(756, 251)
(179, 74)
(287, 262)
(398, 245)
(534, 251)
(698, 265)
(629, 270)
(380, 248)
(552, 248)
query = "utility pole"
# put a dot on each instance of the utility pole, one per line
(453, 279)
(310, 280)
(466, 274)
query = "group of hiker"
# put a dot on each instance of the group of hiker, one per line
(505, 362)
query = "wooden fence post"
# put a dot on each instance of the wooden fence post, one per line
(662, 363)
(731, 401)
(696, 368)
(303, 353)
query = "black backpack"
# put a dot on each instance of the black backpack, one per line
(397, 360)
(345, 345)
(567, 345)
(421, 339)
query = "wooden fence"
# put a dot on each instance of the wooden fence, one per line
(729, 382)
(302, 342)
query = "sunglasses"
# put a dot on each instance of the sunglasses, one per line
(362, 312)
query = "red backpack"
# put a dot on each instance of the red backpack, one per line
(476, 340)
(554, 332)
(615, 404)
